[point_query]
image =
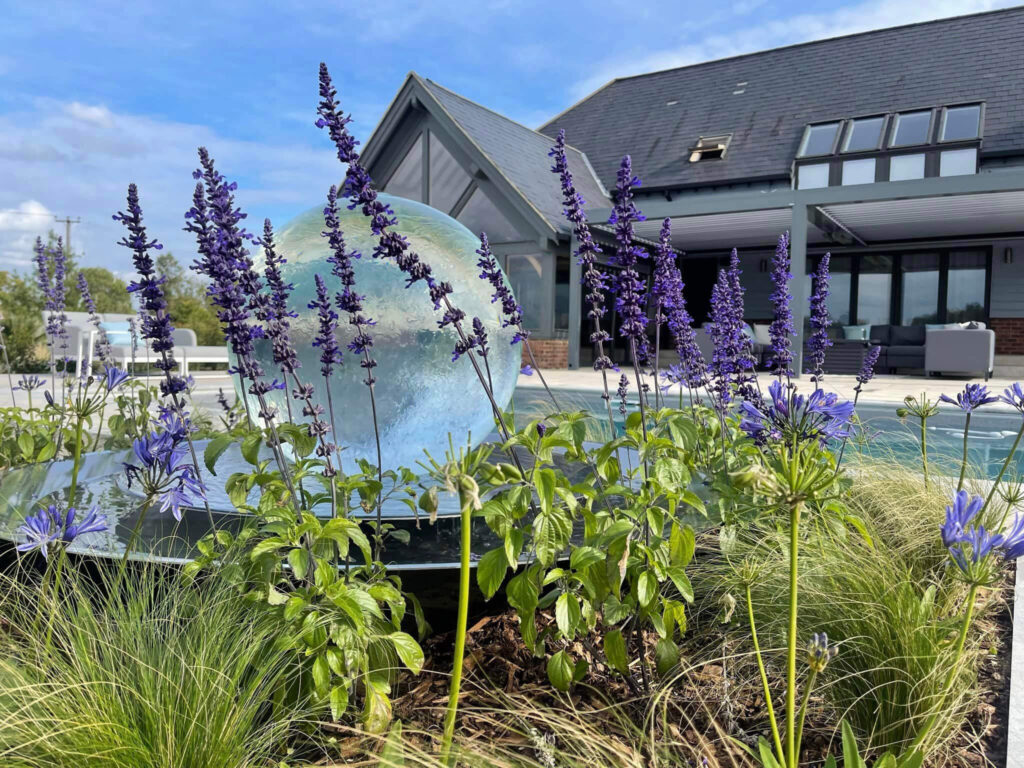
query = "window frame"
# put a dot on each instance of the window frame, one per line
(839, 124)
(851, 123)
(896, 272)
(942, 122)
(929, 135)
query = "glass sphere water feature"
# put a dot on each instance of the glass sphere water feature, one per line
(421, 395)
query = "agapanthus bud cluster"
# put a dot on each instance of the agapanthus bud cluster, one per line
(52, 526)
(819, 652)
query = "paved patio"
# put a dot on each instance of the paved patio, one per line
(882, 389)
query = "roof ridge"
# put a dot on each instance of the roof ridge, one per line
(498, 114)
(805, 43)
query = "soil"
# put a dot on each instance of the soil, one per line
(710, 701)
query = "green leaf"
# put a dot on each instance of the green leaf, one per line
(851, 755)
(615, 651)
(585, 556)
(214, 449)
(409, 651)
(768, 759)
(561, 671)
(47, 452)
(910, 759)
(646, 588)
(321, 673)
(522, 593)
(545, 481)
(339, 701)
(27, 445)
(490, 571)
(272, 544)
(682, 582)
(551, 531)
(298, 559)
(251, 448)
(888, 760)
(666, 656)
(393, 754)
(567, 614)
(293, 607)
(681, 544)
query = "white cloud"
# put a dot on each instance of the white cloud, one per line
(858, 17)
(76, 159)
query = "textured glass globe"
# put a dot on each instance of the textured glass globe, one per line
(421, 395)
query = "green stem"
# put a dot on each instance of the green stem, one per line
(76, 463)
(794, 546)
(99, 430)
(963, 460)
(131, 543)
(924, 449)
(803, 710)
(953, 669)
(57, 580)
(1002, 471)
(460, 634)
(764, 681)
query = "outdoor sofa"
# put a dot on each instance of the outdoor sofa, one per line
(954, 348)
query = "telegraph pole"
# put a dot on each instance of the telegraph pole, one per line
(67, 221)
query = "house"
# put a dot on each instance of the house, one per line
(899, 151)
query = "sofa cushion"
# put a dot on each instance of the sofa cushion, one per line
(859, 332)
(882, 334)
(118, 334)
(761, 333)
(905, 356)
(907, 335)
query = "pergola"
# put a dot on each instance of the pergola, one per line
(988, 203)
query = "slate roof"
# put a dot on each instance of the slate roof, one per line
(963, 59)
(521, 155)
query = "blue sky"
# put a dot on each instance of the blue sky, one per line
(96, 94)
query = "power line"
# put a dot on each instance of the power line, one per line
(68, 221)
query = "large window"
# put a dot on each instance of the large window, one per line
(958, 162)
(859, 171)
(448, 181)
(912, 288)
(864, 134)
(479, 214)
(874, 290)
(526, 276)
(960, 123)
(904, 167)
(407, 180)
(968, 286)
(911, 128)
(819, 140)
(919, 288)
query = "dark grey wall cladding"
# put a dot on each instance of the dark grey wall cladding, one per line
(656, 117)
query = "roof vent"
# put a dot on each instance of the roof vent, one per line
(709, 148)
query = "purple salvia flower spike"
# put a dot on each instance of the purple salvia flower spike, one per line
(820, 321)
(781, 331)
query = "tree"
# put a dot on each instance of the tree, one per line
(187, 301)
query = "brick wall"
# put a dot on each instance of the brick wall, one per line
(1009, 335)
(548, 353)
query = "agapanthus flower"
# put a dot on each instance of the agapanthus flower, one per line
(973, 397)
(160, 468)
(327, 325)
(153, 315)
(1013, 396)
(51, 526)
(30, 382)
(821, 416)
(511, 311)
(781, 330)
(526, 370)
(867, 369)
(958, 515)
(820, 321)
(630, 298)
(819, 652)
(970, 546)
(114, 377)
(586, 253)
